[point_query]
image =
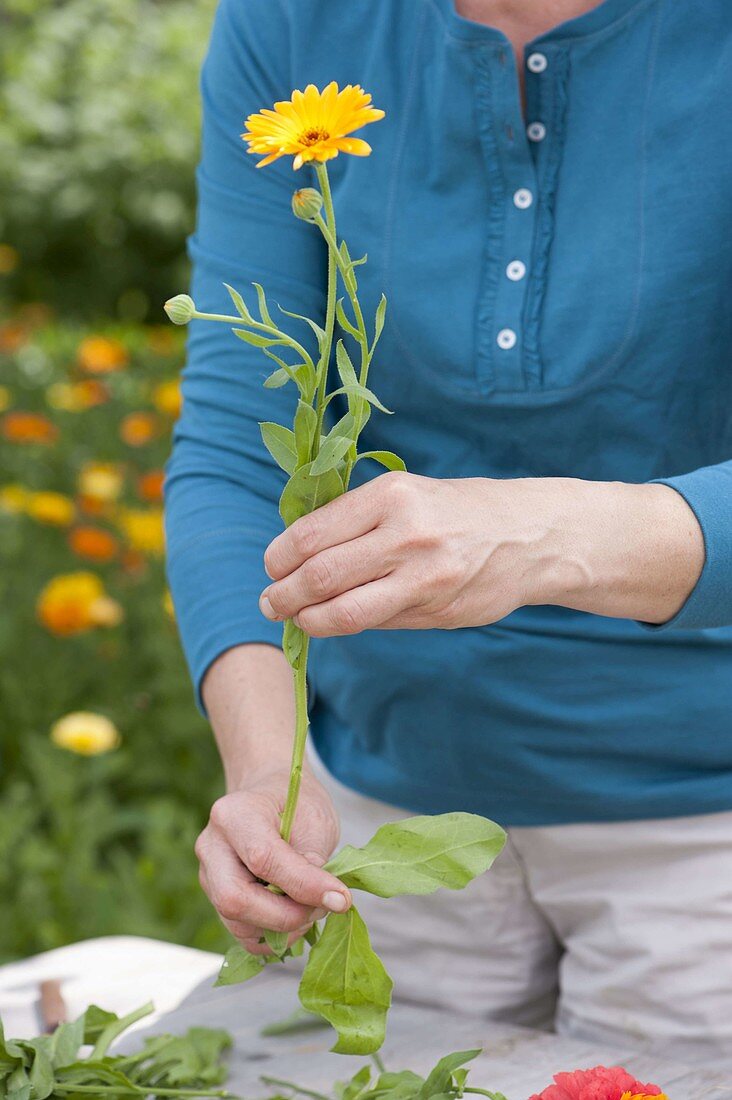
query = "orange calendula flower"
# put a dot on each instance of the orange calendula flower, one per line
(143, 529)
(312, 125)
(13, 335)
(73, 603)
(9, 258)
(100, 481)
(52, 508)
(76, 396)
(85, 733)
(139, 428)
(28, 427)
(101, 355)
(150, 486)
(93, 543)
(167, 398)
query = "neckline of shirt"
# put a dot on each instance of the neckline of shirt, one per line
(591, 22)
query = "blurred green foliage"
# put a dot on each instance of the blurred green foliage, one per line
(94, 845)
(98, 143)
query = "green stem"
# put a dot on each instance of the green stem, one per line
(295, 1088)
(242, 323)
(331, 301)
(135, 1090)
(116, 1028)
(301, 736)
(378, 1062)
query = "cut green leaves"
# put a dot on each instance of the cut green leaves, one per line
(239, 965)
(384, 458)
(305, 492)
(280, 442)
(421, 855)
(345, 982)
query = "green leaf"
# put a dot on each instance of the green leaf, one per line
(66, 1041)
(385, 458)
(404, 1085)
(17, 1085)
(343, 320)
(239, 965)
(420, 855)
(379, 321)
(353, 1088)
(41, 1074)
(302, 374)
(303, 493)
(331, 453)
(292, 642)
(345, 366)
(359, 391)
(280, 442)
(263, 310)
(345, 982)
(255, 339)
(319, 332)
(306, 422)
(440, 1079)
(277, 378)
(95, 1020)
(239, 303)
(277, 942)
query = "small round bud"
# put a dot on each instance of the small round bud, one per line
(180, 309)
(307, 203)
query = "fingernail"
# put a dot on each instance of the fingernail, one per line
(319, 914)
(334, 901)
(266, 607)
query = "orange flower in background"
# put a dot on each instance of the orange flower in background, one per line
(85, 733)
(100, 482)
(13, 335)
(312, 125)
(101, 355)
(139, 428)
(28, 427)
(93, 543)
(162, 340)
(143, 529)
(150, 486)
(52, 508)
(167, 398)
(9, 258)
(76, 396)
(73, 603)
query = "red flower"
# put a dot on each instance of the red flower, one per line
(600, 1083)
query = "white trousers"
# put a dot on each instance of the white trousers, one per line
(600, 931)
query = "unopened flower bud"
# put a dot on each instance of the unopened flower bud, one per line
(180, 309)
(307, 203)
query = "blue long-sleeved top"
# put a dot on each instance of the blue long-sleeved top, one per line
(559, 289)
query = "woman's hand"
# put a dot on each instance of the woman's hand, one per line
(241, 845)
(405, 551)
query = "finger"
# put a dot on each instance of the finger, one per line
(345, 518)
(328, 574)
(270, 858)
(364, 608)
(238, 897)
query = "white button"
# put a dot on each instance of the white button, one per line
(536, 62)
(506, 339)
(522, 198)
(516, 270)
(536, 131)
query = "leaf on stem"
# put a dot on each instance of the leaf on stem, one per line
(304, 492)
(276, 941)
(379, 321)
(343, 320)
(356, 390)
(239, 304)
(420, 855)
(256, 340)
(331, 452)
(263, 309)
(385, 458)
(292, 642)
(345, 982)
(239, 965)
(306, 423)
(346, 369)
(280, 442)
(439, 1081)
(319, 332)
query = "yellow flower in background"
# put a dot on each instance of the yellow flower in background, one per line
(101, 355)
(13, 498)
(143, 529)
(76, 396)
(167, 398)
(73, 603)
(52, 508)
(6, 398)
(100, 481)
(312, 125)
(9, 258)
(85, 733)
(168, 605)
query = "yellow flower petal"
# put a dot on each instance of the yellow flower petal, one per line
(85, 733)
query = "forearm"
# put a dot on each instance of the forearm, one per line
(622, 550)
(250, 701)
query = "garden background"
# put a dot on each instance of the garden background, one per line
(98, 144)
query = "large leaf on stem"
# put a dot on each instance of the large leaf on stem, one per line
(280, 442)
(345, 982)
(304, 492)
(239, 965)
(421, 855)
(439, 1080)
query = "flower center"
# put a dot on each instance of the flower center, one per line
(313, 136)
